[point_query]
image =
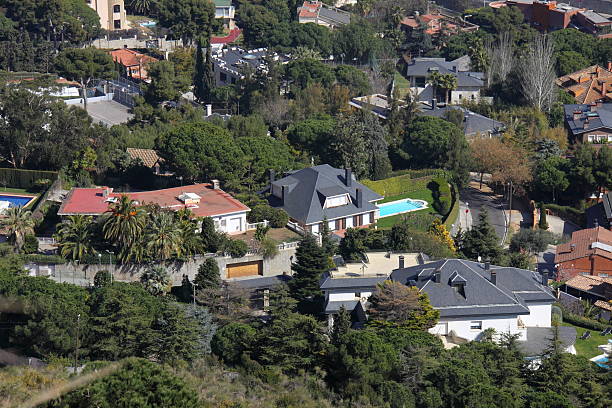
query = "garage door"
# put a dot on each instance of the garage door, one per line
(235, 224)
(245, 269)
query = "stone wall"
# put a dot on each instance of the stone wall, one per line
(83, 274)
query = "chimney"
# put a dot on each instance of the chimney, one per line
(585, 124)
(348, 177)
(494, 277)
(604, 91)
(105, 192)
(434, 104)
(593, 107)
(572, 247)
(359, 197)
(610, 66)
(272, 177)
(401, 262)
(437, 276)
(576, 115)
(545, 278)
(215, 184)
(208, 110)
(487, 265)
(284, 193)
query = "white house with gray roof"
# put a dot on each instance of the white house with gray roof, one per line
(469, 84)
(473, 297)
(231, 64)
(322, 192)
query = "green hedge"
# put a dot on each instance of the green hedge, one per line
(584, 322)
(25, 179)
(443, 198)
(576, 216)
(453, 215)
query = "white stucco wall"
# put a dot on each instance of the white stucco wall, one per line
(460, 96)
(315, 228)
(461, 327)
(337, 297)
(349, 222)
(539, 316)
(225, 223)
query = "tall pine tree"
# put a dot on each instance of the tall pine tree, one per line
(481, 240)
(310, 265)
(203, 80)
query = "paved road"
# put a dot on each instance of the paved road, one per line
(108, 113)
(476, 201)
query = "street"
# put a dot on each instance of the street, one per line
(475, 200)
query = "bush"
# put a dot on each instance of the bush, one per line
(30, 245)
(277, 217)
(576, 216)
(584, 322)
(532, 241)
(236, 248)
(208, 275)
(542, 224)
(268, 248)
(102, 279)
(442, 196)
(232, 340)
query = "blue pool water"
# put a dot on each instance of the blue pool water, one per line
(148, 24)
(15, 201)
(400, 206)
(603, 362)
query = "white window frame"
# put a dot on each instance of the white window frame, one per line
(476, 325)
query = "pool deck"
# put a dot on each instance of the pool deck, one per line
(31, 197)
(423, 202)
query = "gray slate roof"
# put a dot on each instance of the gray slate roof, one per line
(540, 338)
(473, 123)
(600, 212)
(332, 284)
(265, 282)
(423, 67)
(597, 120)
(334, 307)
(515, 288)
(308, 189)
(335, 16)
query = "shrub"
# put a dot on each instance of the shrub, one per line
(441, 194)
(232, 340)
(236, 248)
(277, 217)
(30, 245)
(532, 241)
(208, 275)
(542, 224)
(268, 248)
(102, 279)
(584, 322)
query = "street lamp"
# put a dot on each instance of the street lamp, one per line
(110, 263)
(467, 210)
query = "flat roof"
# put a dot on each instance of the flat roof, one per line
(95, 201)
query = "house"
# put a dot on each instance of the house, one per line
(589, 252)
(589, 85)
(258, 288)
(149, 159)
(473, 297)
(134, 62)
(204, 200)
(589, 123)
(231, 64)
(319, 193)
(111, 12)
(217, 42)
(600, 214)
(469, 84)
(321, 14)
(473, 125)
(224, 10)
(595, 289)
(436, 23)
(593, 23)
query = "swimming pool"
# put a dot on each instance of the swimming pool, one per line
(401, 206)
(15, 200)
(603, 362)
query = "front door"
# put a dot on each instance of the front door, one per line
(235, 224)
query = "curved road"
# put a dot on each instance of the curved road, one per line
(477, 201)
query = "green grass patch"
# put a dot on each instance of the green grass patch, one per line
(588, 348)
(401, 83)
(396, 186)
(16, 191)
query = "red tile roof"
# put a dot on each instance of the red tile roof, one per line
(582, 245)
(588, 283)
(93, 201)
(588, 85)
(130, 58)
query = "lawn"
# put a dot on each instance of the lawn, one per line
(401, 84)
(588, 348)
(16, 191)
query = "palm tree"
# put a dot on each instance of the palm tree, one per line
(191, 240)
(163, 236)
(156, 281)
(140, 6)
(124, 224)
(397, 15)
(74, 237)
(18, 222)
(448, 82)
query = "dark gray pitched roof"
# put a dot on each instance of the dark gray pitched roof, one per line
(333, 15)
(308, 188)
(333, 307)
(600, 119)
(540, 338)
(423, 67)
(351, 283)
(473, 123)
(265, 282)
(514, 288)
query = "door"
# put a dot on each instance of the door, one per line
(235, 225)
(241, 269)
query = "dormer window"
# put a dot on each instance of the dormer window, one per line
(337, 201)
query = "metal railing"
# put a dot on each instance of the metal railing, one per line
(250, 227)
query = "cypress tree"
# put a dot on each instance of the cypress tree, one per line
(203, 80)
(208, 275)
(482, 240)
(311, 263)
(342, 325)
(543, 224)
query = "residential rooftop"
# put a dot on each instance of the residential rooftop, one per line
(588, 85)
(586, 242)
(581, 118)
(206, 201)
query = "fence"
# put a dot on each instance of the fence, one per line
(26, 179)
(253, 226)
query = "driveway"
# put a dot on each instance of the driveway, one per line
(476, 201)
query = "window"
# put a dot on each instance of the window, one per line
(117, 8)
(419, 82)
(337, 201)
(603, 275)
(357, 220)
(358, 295)
(476, 325)
(117, 24)
(584, 273)
(223, 76)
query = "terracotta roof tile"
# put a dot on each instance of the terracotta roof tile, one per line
(604, 305)
(587, 85)
(587, 283)
(148, 157)
(582, 241)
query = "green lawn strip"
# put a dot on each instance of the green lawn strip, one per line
(424, 194)
(588, 348)
(401, 84)
(16, 191)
